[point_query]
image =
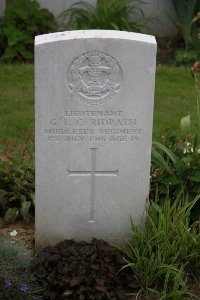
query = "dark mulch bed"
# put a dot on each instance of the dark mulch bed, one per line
(81, 271)
(84, 271)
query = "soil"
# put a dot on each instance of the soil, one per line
(25, 236)
(81, 270)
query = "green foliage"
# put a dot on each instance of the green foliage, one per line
(161, 254)
(195, 72)
(174, 88)
(11, 214)
(176, 165)
(16, 278)
(186, 58)
(113, 14)
(23, 20)
(16, 183)
(24, 210)
(176, 162)
(186, 10)
(16, 101)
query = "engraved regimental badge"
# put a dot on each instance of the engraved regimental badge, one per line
(94, 77)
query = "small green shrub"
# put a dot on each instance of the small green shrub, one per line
(186, 58)
(17, 182)
(16, 277)
(23, 20)
(161, 254)
(112, 14)
(175, 165)
(176, 162)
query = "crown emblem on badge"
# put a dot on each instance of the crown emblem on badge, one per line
(94, 77)
(94, 58)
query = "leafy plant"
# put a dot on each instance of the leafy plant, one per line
(175, 165)
(113, 14)
(161, 254)
(16, 277)
(83, 270)
(23, 20)
(17, 182)
(176, 162)
(195, 31)
(186, 10)
(185, 57)
(195, 71)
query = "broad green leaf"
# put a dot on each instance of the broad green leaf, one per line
(24, 211)
(33, 198)
(3, 198)
(25, 207)
(158, 160)
(195, 177)
(185, 126)
(11, 215)
(185, 11)
(171, 155)
(175, 159)
(173, 180)
(26, 53)
(196, 142)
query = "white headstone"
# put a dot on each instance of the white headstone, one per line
(94, 111)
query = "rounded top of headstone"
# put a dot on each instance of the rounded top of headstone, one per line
(94, 34)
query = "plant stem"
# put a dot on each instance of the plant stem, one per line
(198, 108)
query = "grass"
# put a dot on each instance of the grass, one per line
(17, 280)
(16, 101)
(174, 98)
(162, 255)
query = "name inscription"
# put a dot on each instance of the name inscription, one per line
(93, 126)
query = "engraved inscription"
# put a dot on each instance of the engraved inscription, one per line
(93, 173)
(94, 77)
(93, 126)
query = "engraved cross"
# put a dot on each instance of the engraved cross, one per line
(93, 173)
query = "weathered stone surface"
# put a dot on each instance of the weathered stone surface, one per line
(94, 110)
